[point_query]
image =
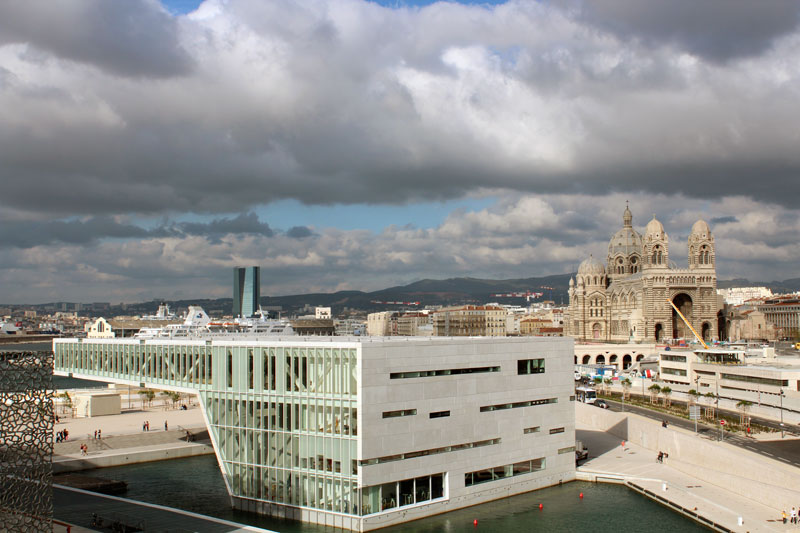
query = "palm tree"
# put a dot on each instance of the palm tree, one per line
(666, 391)
(693, 395)
(711, 397)
(147, 395)
(655, 390)
(606, 384)
(743, 406)
(67, 403)
(626, 388)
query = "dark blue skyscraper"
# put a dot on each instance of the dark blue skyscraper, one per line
(246, 290)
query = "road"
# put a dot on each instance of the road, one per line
(786, 451)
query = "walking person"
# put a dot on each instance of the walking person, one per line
(793, 515)
(100, 434)
(166, 426)
(95, 434)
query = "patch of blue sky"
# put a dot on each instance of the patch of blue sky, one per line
(181, 7)
(288, 213)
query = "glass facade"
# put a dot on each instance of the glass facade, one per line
(285, 419)
(246, 290)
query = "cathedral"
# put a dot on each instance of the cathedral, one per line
(628, 298)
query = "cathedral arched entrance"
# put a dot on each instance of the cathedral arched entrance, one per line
(706, 334)
(626, 361)
(587, 359)
(613, 359)
(659, 333)
(601, 359)
(639, 357)
(679, 328)
(721, 326)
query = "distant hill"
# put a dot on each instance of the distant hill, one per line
(427, 292)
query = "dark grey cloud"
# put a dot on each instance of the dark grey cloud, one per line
(299, 232)
(243, 223)
(31, 233)
(718, 30)
(724, 220)
(377, 105)
(130, 38)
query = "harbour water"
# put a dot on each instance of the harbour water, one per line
(195, 484)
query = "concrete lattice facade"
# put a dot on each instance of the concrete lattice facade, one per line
(627, 299)
(362, 433)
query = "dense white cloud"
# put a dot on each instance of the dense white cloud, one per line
(517, 237)
(125, 112)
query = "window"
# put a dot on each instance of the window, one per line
(530, 366)
(517, 405)
(553, 431)
(445, 372)
(566, 450)
(500, 472)
(534, 429)
(402, 412)
(439, 414)
(432, 451)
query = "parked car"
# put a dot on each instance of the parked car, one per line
(602, 404)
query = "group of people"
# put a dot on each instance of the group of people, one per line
(62, 435)
(84, 449)
(98, 434)
(662, 456)
(794, 516)
(146, 425)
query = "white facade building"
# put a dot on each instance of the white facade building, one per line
(362, 433)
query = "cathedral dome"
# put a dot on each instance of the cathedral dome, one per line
(701, 229)
(591, 266)
(654, 228)
(626, 242)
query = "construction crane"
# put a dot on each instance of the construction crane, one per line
(527, 294)
(687, 323)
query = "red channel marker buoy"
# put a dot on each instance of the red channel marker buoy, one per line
(541, 506)
(475, 522)
(581, 495)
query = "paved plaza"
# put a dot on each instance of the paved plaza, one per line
(609, 459)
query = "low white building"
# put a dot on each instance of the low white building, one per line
(362, 433)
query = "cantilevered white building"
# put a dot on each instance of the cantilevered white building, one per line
(362, 433)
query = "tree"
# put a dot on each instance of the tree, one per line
(666, 391)
(711, 398)
(655, 390)
(744, 406)
(606, 384)
(626, 388)
(693, 395)
(147, 395)
(598, 380)
(67, 403)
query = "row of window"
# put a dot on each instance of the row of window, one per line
(674, 358)
(402, 493)
(444, 372)
(411, 412)
(516, 405)
(432, 451)
(505, 471)
(673, 371)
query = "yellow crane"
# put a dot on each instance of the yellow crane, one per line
(687, 323)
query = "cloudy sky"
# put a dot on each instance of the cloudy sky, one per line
(146, 148)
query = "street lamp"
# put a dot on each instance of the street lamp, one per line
(781, 412)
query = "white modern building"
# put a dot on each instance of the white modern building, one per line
(362, 433)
